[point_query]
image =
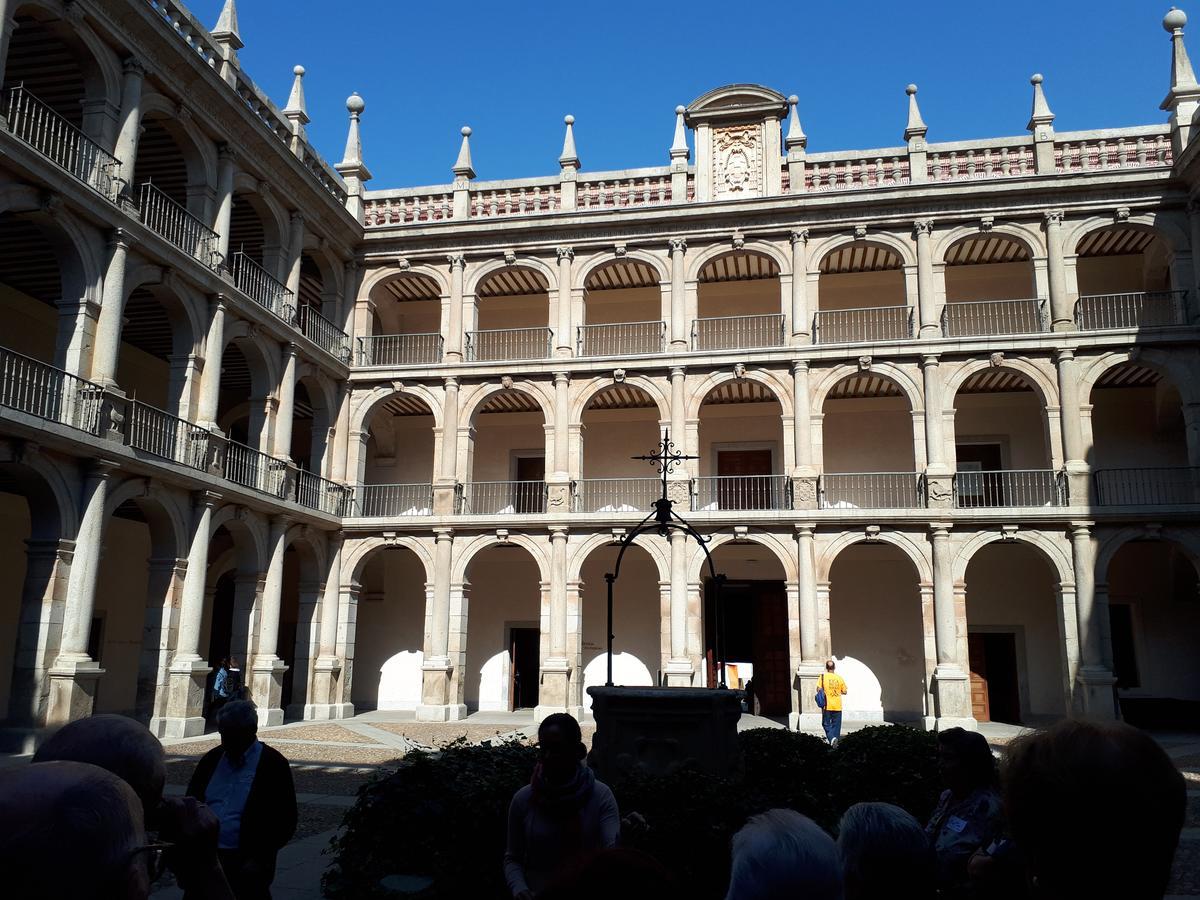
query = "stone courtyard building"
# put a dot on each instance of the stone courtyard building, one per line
(944, 400)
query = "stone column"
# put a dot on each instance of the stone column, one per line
(559, 481)
(437, 705)
(112, 307)
(130, 123)
(338, 445)
(74, 676)
(305, 647)
(286, 410)
(1061, 315)
(1095, 681)
(268, 669)
(225, 166)
(808, 715)
(679, 322)
(678, 483)
(801, 316)
(189, 670)
(680, 671)
(295, 252)
(454, 329)
(39, 631)
(1069, 416)
(804, 472)
(446, 485)
(952, 687)
(554, 694)
(939, 474)
(210, 378)
(564, 333)
(325, 702)
(926, 289)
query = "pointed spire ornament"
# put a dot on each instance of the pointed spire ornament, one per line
(1041, 117)
(352, 158)
(295, 111)
(1183, 79)
(569, 158)
(916, 127)
(226, 31)
(679, 147)
(462, 166)
(796, 138)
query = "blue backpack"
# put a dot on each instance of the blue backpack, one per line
(821, 699)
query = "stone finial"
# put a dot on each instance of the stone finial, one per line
(1182, 76)
(226, 31)
(353, 157)
(796, 138)
(679, 147)
(1041, 117)
(569, 158)
(916, 127)
(296, 111)
(462, 166)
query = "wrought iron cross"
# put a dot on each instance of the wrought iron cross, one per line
(666, 459)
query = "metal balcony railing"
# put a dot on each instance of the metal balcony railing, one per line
(321, 494)
(1164, 486)
(324, 333)
(621, 338)
(870, 324)
(32, 121)
(264, 289)
(590, 495)
(389, 500)
(49, 393)
(1010, 488)
(161, 434)
(400, 349)
(969, 318)
(719, 492)
(502, 497)
(871, 490)
(169, 220)
(254, 469)
(510, 343)
(1141, 309)
(738, 332)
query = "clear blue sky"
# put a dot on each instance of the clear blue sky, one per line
(511, 70)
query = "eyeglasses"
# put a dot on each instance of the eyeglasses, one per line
(156, 864)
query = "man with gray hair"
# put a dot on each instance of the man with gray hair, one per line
(249, 786)
(884, 854)
(782, 854)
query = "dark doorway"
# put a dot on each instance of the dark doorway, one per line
(523, 657)
(1124, 657)
(743, 487)
(530, 492)
(975, 489)
(755, 632)
(994, 693)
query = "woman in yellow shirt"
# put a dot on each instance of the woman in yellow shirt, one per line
(831, 716)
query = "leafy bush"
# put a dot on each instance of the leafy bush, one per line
(888, 763)
(787, 768)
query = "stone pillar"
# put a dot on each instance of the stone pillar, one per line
(286, 410)
(130, 123)
(679, 322)
(74, 675)
(939, 477)
(808, 715)
(680, 671)
(804, 473)
(39, 631)
(112, 306)
(1095, 682)
(564, 333)
(268, 669)
(338, 445)
(678, 479)
(437, 704)
(225, 167)
(1062, 317)
(295, 252)
(952, 687)
(554, 692)
(160, 629)
(325, 702)
(445, 488)
(454, 330)
(1072, 431)
(305, 647)
(926, 289)
(559, 480)
(189, 670)
(210, 378)
(801, 316)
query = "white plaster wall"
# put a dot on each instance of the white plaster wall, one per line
(504, 591)
(14, 514)
(391, 621)
(409, 316)
(411, 442)
(737, 423)
(1120, 274)
(994, 281)
(524, 311)
(121, 599)
(611, 436)
(875, 617)
(497, 435)
(1016, 419)
(143, 376)
(637, 623)
(623, 305)
(29, 325)
(739, 298)
(888, 423)
(1011, 588)
(1139, 427)
(855, 290)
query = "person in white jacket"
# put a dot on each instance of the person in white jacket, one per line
(562, 815)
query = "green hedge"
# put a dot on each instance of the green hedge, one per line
(443, 816)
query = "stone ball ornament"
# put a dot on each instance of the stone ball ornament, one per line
(1174, 19)
(355, 103)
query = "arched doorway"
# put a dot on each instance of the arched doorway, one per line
(862, 295)
(738, 303)
(618, 422)
(395, 476)
(389, 633)
(741, 449)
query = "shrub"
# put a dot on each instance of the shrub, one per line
(787, 769)
(888, 763)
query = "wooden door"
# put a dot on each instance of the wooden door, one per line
(995, 693)
(772, 663)
(523, 659)
(977, 655)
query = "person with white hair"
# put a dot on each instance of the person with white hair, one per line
(782, 854)
(884, 854)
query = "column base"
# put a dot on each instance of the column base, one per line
(324, 712)
(447, 712)
(73, 685)
(555, 685)
(1096, 698)
(944, 723)
(804, 489)
(184, 717)
(939, 487)
(805, 721)
(1062, 325)
(680, 673)
(445, 498)
(558, 495)
(267, 689)
(541, 711)
(952, 696)
(171, 728)
(1079, 482)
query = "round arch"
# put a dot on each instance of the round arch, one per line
(265, 356)
(1174, 368)
(1046, 390)
(271, 213)
(489, 268)
(167, 521)
(183, 304)
(100, 65)
(906, 543)
(767, 379)
(358, 557)
(697, 563)
(360, 418)
(592, 264)
(765, 249)
(1187, 541)
(199, 153)
(590, 389)
(381, 276)
(892, 372)
(249, 534)
(655, 549)
(51, 501)
(313, 561)
(822, 247)
(1052, 552)
(318, 250)
(1157, 224)
(1028, 237)
(483, 392)
(480, 542)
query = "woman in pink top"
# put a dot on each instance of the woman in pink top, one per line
(562, 814)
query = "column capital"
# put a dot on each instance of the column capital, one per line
(296, 217)
(289, 349)
(350, 265)
(226, 153)
(119, 239)
(798, 236)
(1080, 529)
(562, 378)
(219, 302)
(442, 535)
(207, 498)
(940, 530)
(131, 65)
(280, 521)
(1064, 354)
(99, 468)
(677, 245)
(923, 227)
(456, 260)
(567, 253)
(1053, 216)
(678, 371)
(805, 530)
(558, 532)
(930, 360)
(450, 383)
(799, 366)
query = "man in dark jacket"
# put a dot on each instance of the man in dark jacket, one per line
(249, 786)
